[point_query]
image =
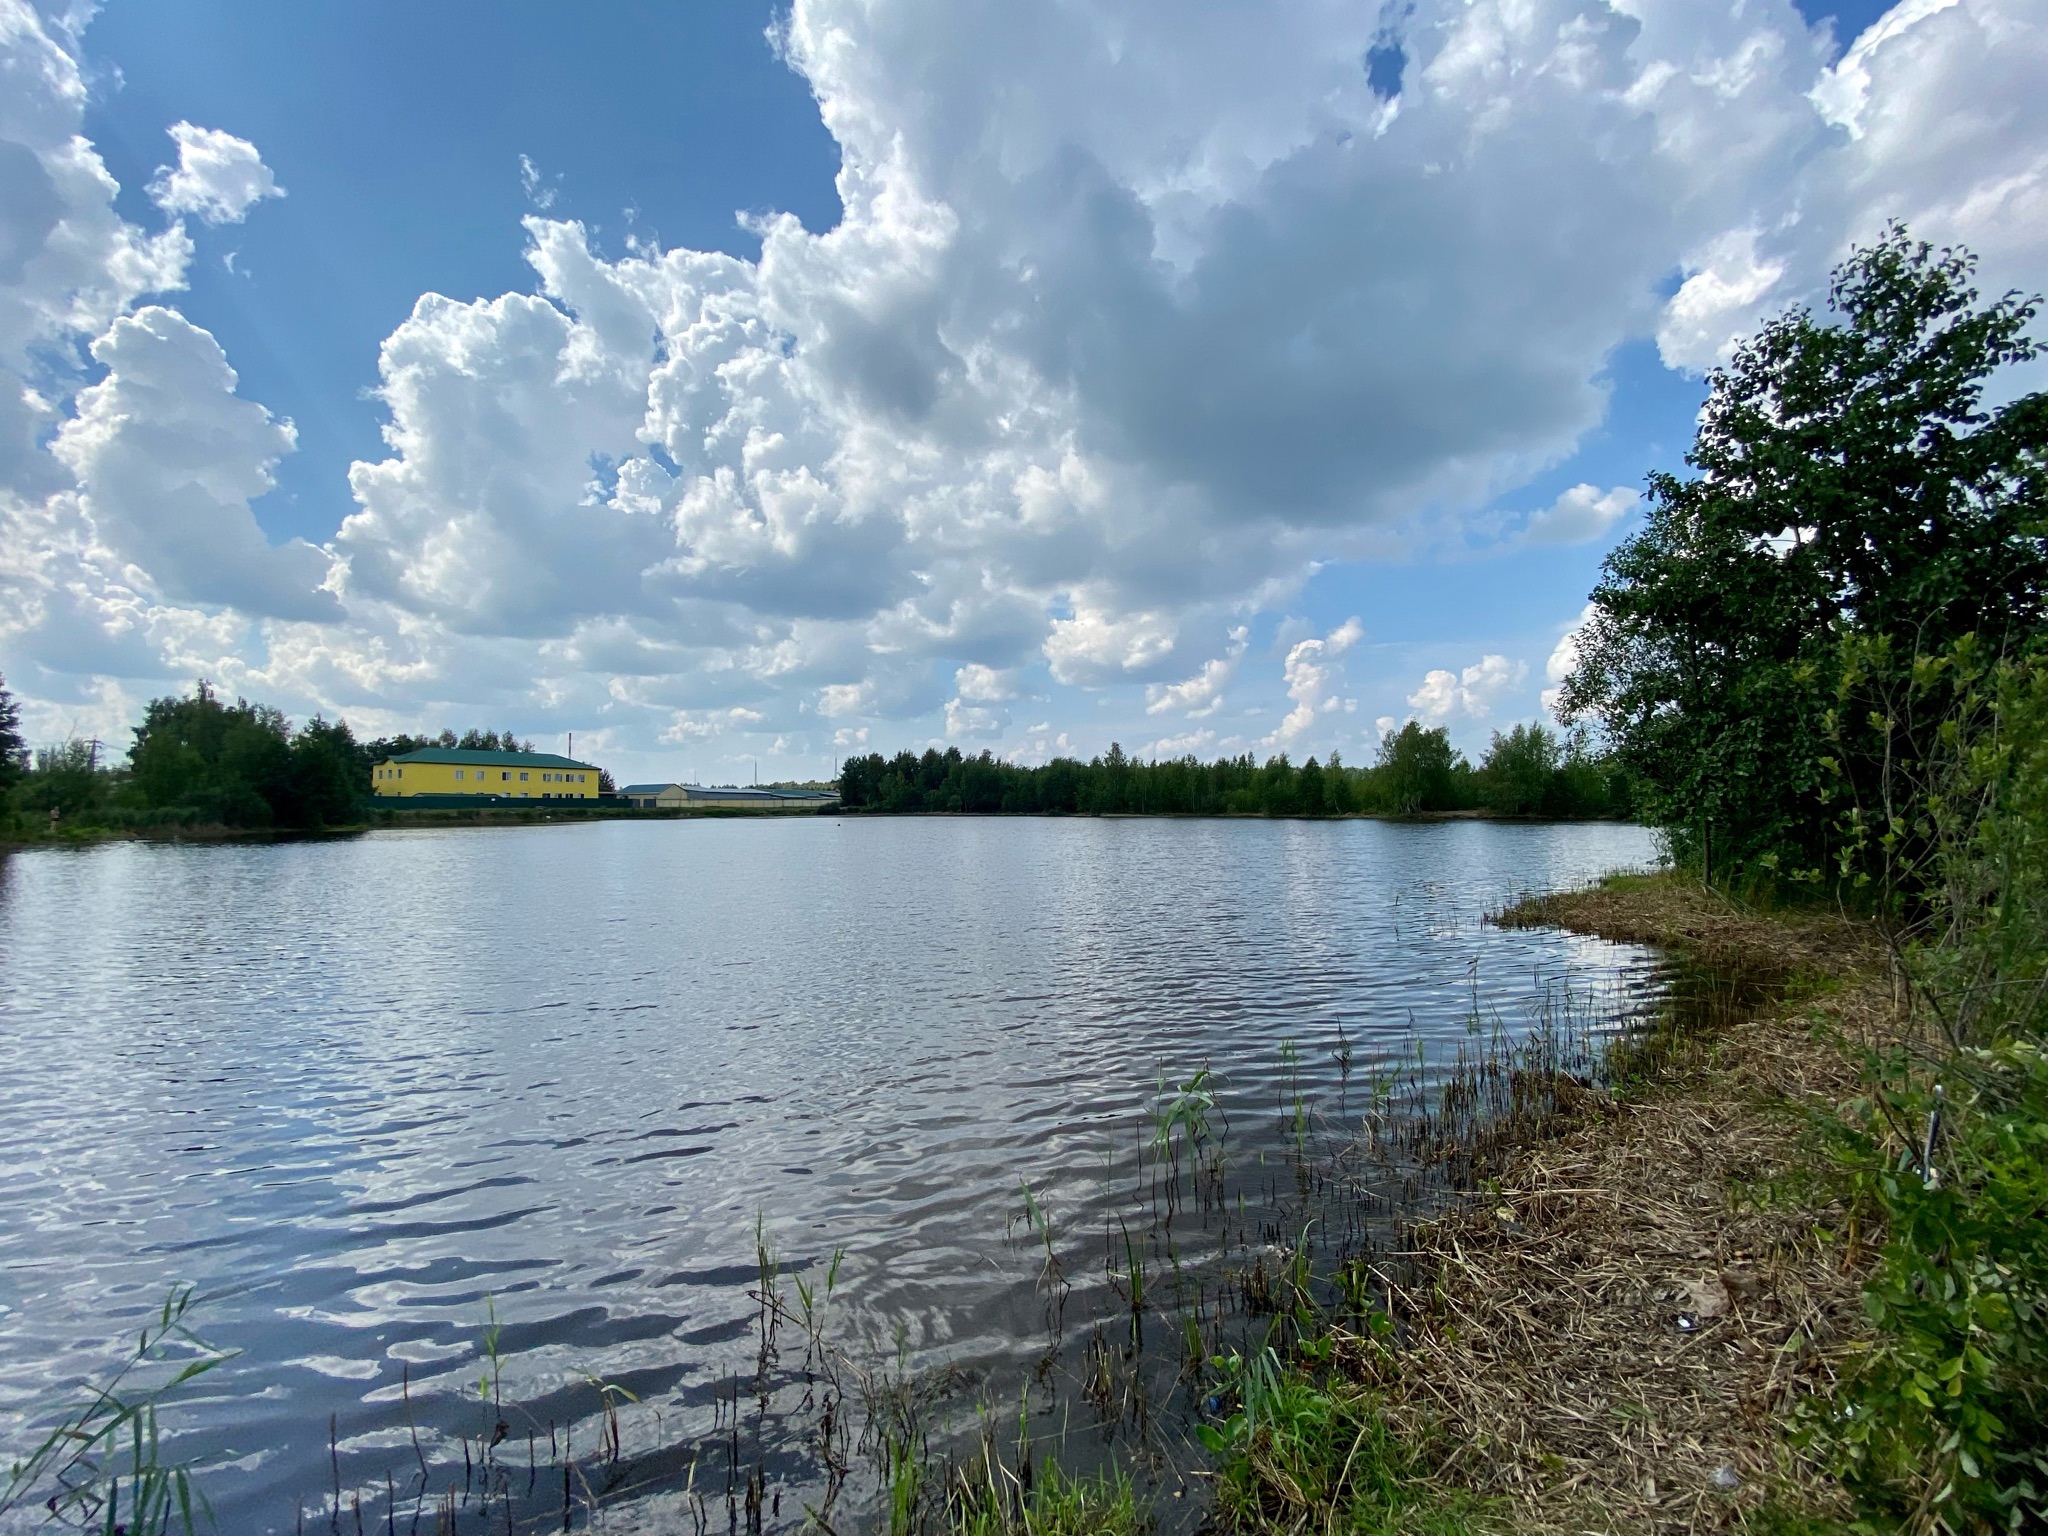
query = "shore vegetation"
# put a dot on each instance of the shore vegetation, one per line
(1530, 771)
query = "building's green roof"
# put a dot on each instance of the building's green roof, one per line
(468, 758)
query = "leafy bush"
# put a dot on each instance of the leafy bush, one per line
(65, 779)
(1941, 1422)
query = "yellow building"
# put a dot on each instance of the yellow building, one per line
(506, 775)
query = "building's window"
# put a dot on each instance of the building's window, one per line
(504, 775)
(458, 773)
(522, 778)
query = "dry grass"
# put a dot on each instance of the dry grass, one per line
(1613, 1339)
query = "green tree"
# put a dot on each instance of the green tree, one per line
(66, 779)
(485, 741)
(1849, 479)
(1587, 783)
(1417, 769)
(242, 765)
(13, 750)
(325, 783)
(1312, 789)
(222, 763)
(1516, 777)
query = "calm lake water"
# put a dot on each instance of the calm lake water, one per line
(368, 1093)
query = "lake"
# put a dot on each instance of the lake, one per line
(376, 1095)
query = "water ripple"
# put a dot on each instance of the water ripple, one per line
(589, 1057)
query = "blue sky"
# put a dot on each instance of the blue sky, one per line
(397, 130)
(1156, 373)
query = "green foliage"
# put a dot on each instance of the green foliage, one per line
(1181, 1112)
(101, 1465)
(1295, 1451)
(1851, 483)
(242, 765)
(13, 750)
(1516, 773)
(198, 761)
(1053, 1504)
(1530, 771)
(66, 779)
(1941, 1421)
(1417, 771)
(374, 752)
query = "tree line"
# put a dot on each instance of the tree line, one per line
(1528, 771)
(198, 760)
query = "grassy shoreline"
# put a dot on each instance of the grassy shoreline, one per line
(1613, 1333)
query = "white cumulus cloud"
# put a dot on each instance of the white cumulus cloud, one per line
(978, 684)
(1471, 694)
(1311, 673)
(1092, 645)
(1201, 694)
(1580, 515)
(1563, 657)
(1137, 315)
(218, 177)
(167, 460)
(1934, 117)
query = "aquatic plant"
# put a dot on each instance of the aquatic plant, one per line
(102, 1463)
